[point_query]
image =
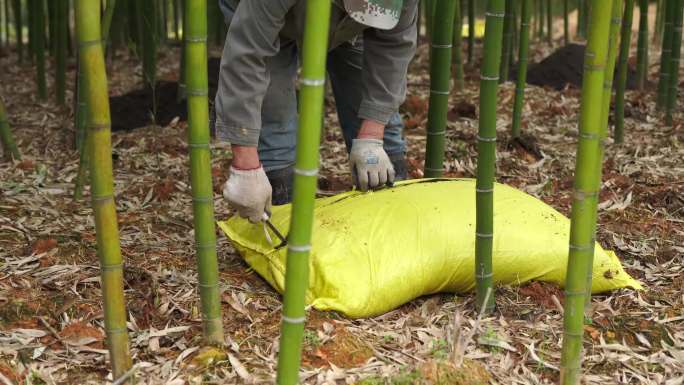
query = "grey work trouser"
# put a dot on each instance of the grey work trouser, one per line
(278, 136)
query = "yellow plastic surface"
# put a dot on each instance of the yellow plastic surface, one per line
(373, 252)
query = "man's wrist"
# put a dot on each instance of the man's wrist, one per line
(245, 157)
(371, 129)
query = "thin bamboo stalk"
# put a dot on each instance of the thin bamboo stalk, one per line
(625, 40)
(674, 62)
(315, 48)
(107, 20)
(39, 47)
(507, 42)
(52, 32)
(30, 16)
(61, 35)
(586, 186)
(666, 50)
(440, 77)
(609, 73)
(149, 47)
(200, 168)
(581, 19)
(471, 30)
(549, 21)
(4, 19)
(523, 55)
(642, 46)
(457, 49)
(176, 19)
(102, 186)
(539, 18)
(486, 153)
(9, 146)
(658, 28)
(566, 22)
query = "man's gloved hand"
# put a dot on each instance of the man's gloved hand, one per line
(371, 167)
(248, 192)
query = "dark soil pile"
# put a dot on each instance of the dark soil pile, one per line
(134, 109)
(564, 67)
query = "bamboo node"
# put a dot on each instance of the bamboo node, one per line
(483, 77)
(485, 139)
(198, 145)
(573, 334)
(484, 235)
(202, 199)
(434, 169)
(309, 82)
(439, 92)
(99, 126)
(487, 275)
(588, 135)
(294, 320)
(208, 285)
(437, 133)
(196, 92)
(306, 172)
(299, 248)
(484, 190)
(86, 43)
(122, 330)
(588, 247)
(433, 45)
(495, 14)
(195, 39)
(205, 245)
(114, 267)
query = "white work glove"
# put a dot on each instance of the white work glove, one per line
(249, 192)
(370, 165)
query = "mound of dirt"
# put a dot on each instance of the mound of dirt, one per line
(563, 67)
(134, 109)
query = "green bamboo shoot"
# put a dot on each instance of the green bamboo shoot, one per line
(586, 188)
(200, 168)
(315, 50)
(625, 40)
(486, 153)
(440, 77)
(102, 187)
(664, 77)
(674, 62)
(642, 46)
(523, 55)
(9, 146)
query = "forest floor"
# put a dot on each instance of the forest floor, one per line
(51, 317)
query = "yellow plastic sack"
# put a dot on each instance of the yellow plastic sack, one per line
(373, 252)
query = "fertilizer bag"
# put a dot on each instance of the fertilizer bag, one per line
(373, 252)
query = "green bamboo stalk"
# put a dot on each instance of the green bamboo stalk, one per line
(457, 59)
(102, 184)
(39, 47)
(523, 55)
(642, 45)
(609, 73)
(486, 153)
(306, 165)
(149, 47)
(507, 43)
(666, 50)
(674, 62)
(625, 40)
(30, 16)
(200, 169)
(581, 19)
(176, 19)
(6, 139)
(52, 32)
(61, 35)
(107, 20)
(658, 30)
(440, 77)
(566, 22)
(549, 21)
(4, 19)
(539, 18)
(586, 187)
(471, 30)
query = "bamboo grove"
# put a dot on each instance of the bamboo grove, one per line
(146, 26)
